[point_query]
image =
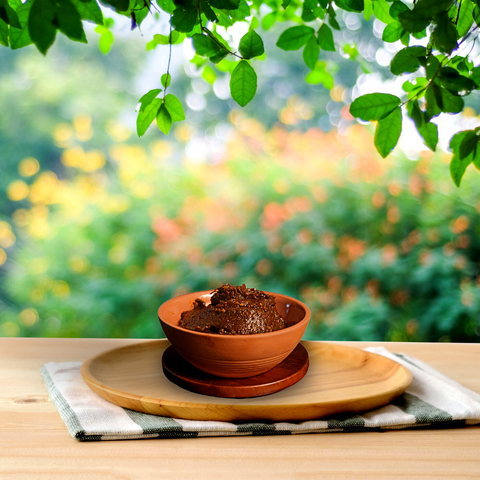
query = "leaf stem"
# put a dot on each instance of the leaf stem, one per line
(207, 31)
(168, 65)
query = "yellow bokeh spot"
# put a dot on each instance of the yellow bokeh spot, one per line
(161, 149)
(61, 289)
(183, 133)
(79, 264)
(21, 217)
(5, 229)
(28, 167)
(3, 257)
(336, 94)
(72, 157)
(63, 135)
(83, 127)
(28, 317)
(38, 265)
(9, 329)
(118, 254)
(469, 112)
(118, 131)
(8, 240)
(116, 204)
(36, 295)
(86, 161)
(44, 189)
(93, 161)
(17, 190)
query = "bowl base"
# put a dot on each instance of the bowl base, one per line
(284, 375)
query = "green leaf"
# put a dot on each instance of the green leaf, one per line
(3, 33)
(175, 108)
(89, 10)
(164, 120)
(475, 75)
(8, 14)
(148, 98)
(184, 20)
(454, 82)
(388, 132)
(320, 75)
(295, 37)
(451, 103)
(205, 46)
(20, 38)
(209, 75)
(429, 132)
(69, 21)
(465, 18)
(165, 39)
(445, 34)
(147, 115)
(392, 32)
(225, 4)
(374, 106)
(432, 66)
(407, 60)
(397, 8)
(431, 95)
(207, 11)
(355, 5)
(269, 20)
(105, 42)
(251, 45)
(468, 145)
(311, 53)
(166, 5)
(431, 8)
(381, 10)
(166, 79)
(411, 22)
(457, 168)
(368, 9)
(40, 24)
(243, 83)
(325, 38)
(118, 5)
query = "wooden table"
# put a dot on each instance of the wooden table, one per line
(35, 444)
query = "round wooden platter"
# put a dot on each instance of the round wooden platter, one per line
(339, 379)
(284, 375)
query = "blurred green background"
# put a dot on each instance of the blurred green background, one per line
(98, 227)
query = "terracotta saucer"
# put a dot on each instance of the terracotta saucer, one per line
(284, 375)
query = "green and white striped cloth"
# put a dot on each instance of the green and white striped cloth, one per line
(432, 400)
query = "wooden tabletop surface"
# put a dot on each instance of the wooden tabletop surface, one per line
(35, 444)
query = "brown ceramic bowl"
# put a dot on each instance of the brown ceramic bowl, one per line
(234, 356)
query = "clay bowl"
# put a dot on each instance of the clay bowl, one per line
(234, 356)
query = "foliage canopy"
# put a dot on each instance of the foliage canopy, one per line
(438, 38)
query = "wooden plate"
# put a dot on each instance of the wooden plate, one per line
(339, 379)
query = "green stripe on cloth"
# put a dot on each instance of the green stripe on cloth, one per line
(163, 426)
(68, 415)
(422, 411)
(347, 423)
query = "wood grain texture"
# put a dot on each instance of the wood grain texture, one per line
(284, 375)
(339, 379)
(35, 445)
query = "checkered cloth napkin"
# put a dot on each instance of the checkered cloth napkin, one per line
(432, 400)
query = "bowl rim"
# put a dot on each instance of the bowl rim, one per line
(282, 331)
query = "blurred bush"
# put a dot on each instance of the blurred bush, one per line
(379, 250)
